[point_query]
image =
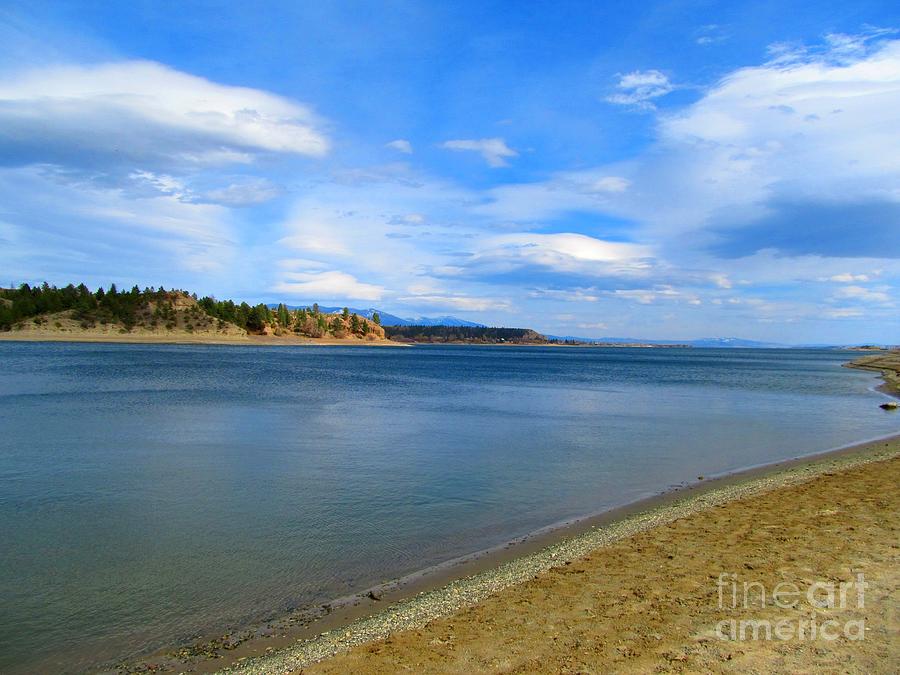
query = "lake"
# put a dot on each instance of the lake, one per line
(151, 493)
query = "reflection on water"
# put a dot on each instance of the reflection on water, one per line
(148, 493)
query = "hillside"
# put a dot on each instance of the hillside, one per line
(75, 312)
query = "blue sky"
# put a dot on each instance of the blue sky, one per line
(660, 170)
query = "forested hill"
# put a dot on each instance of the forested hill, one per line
(74, 310)
(159, 311)
(464, 334)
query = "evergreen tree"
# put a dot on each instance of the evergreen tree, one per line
(376, 318)
(284, 317)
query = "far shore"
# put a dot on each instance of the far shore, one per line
(189, 339)
(886, 363)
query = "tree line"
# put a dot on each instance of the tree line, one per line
(156, 306)
(88, 307)
(468, 334)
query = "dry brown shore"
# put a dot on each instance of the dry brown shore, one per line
(632, 590)
(886, 363)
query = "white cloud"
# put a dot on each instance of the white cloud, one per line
(76, 229)
(806, 151)
(493, 150)
(843, 313)
(331, 285)
(458, 302)
(567, 295)
(145, 112)
(577, 246)
(300, 264)
(879, 295)
(843, 45)
(847, 278)
(244, 193)
(408, 219)
(639, 88)
(710, 34)
(649, 296)
(165, 184)
(611, 184)
(563, 253)
(400, 145)
(317, 238)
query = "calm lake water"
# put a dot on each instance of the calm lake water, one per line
(151, 493)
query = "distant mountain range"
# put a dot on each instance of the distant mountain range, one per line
(388, 319)
(702, 342)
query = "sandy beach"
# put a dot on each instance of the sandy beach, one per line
(642, 593)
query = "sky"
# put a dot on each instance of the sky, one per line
(662, 170)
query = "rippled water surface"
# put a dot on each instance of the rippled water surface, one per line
(151, 493)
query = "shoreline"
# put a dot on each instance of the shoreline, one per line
(415, 600)
(316, 633)
(887, 364)
(237, 341)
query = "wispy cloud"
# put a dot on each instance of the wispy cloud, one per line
(457, 302)
(244, 193)
(640, 87)
(880, 295)
(495, 151)
(400, 145)
(847, 278)
(331, 285)
(711, 34)
(112, 117)
(648, 296)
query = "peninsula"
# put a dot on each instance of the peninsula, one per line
(75, 313)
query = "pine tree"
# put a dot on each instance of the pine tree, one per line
(284, 318)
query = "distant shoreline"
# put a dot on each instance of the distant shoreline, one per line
(286, 340)
(885, 363)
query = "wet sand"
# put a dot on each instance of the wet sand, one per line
(635, 590)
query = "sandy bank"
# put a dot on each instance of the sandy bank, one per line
(640, 594)
(886, 363)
